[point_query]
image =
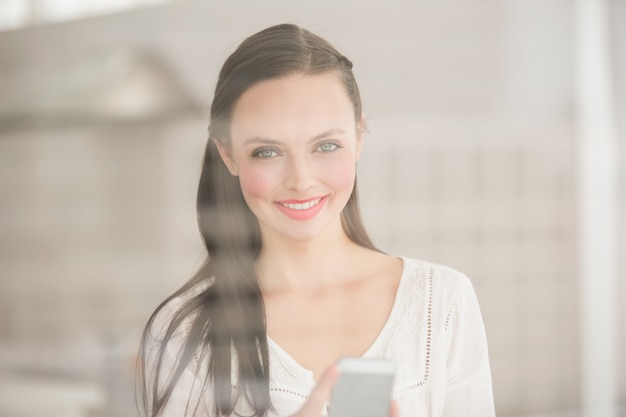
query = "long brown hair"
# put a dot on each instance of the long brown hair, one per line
(222, 312)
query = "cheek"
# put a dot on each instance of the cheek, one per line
(341, 175)
(256, 183)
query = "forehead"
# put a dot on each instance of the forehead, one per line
(293, 106)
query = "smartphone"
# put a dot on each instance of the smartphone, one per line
(363, 388)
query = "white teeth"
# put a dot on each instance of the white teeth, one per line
(302, 206)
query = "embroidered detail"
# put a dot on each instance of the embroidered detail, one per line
(429, 314)
(430, 325)
(455, 301)
(290, 392)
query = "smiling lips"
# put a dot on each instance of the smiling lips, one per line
(301, 209)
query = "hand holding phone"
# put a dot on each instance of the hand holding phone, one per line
(363, 388)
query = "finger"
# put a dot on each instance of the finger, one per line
(394, 410)
(320, 394)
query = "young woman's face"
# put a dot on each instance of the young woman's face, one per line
(294, 145)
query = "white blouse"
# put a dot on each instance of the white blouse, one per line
(434, 334)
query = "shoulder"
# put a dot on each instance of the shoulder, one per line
(167, 332)
(161, 324)
(444, 277)
(445, 285)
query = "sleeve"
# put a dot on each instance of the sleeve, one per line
(189, 397)
(468, 387)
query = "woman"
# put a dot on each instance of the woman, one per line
(292, 281)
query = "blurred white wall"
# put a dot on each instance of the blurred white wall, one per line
(17, 14)
(598, 202)
(472, 160)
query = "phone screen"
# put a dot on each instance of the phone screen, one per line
(363, 389)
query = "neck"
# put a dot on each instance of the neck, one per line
(307, 265)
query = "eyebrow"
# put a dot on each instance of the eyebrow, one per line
(319, 136)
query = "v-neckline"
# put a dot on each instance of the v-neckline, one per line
(294, 364)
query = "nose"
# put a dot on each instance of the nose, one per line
(299, 175)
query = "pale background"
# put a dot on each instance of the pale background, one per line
(496, 145)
